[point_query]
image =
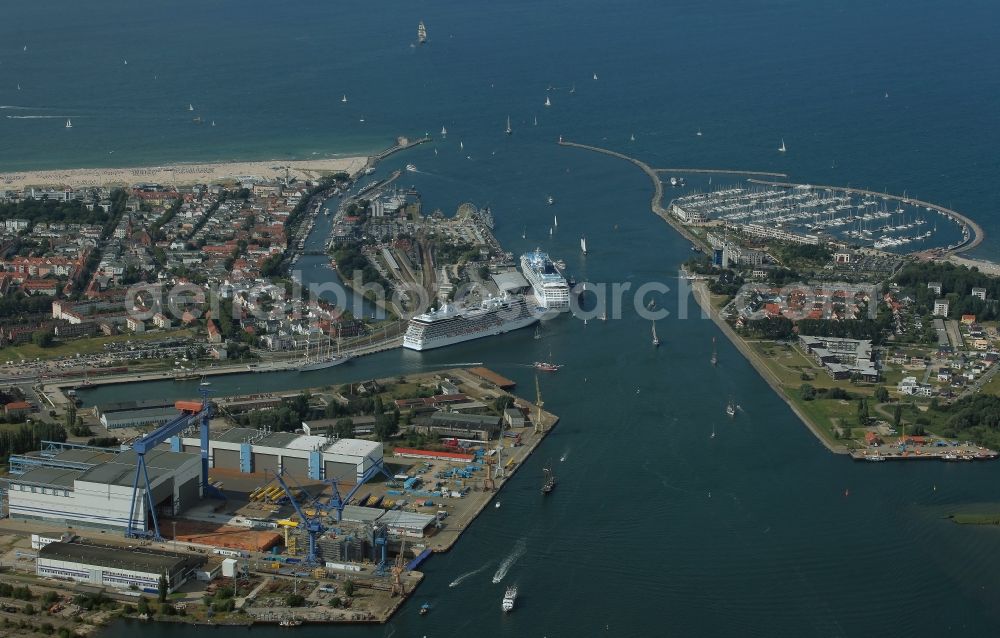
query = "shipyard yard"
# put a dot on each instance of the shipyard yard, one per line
(301, 526)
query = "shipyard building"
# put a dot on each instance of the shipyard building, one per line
(251, 451)
(94, 487)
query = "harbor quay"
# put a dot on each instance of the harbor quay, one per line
(245, 523)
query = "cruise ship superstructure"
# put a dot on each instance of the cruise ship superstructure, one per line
(454, 324)
(550, 287)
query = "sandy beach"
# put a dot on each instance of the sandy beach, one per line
(182, 174)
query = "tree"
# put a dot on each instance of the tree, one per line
(143, 606)
(345, 428)
(42, 338)
(162, 588)
(349, 588)
(807, 392)
(295, 600)
(897, 415)
(501, 403)
(881, 394)
(71, 417)
(862, 412)
(386, 425)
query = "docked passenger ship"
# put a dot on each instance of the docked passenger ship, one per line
(455, 324)
(550, 287)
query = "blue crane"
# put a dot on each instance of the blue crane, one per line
(338, 502)
(191, 412)
(314, 527)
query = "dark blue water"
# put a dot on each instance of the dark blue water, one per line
(656, 529)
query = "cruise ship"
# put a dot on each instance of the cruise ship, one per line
(454, 324)
(549, 285)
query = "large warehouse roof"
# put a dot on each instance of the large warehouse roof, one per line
(354, 447)
(508, 281)
(121, 470)
(49, 476)
(136, 559)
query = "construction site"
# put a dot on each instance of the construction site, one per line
(344, 522)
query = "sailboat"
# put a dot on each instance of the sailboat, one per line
(550, 231)
(573, 88)
(524, 233)
(213, 122)
(344, 98)
(190, 107)
(509, 129)
(631, 137)
(713, 433)
(656, 340)
(538, 333)
(595, 76)
(550, 200)
(536, 120)
(548, 102)
(444, 132)
(781, 149)
(69, 124)
(550, 479)
(461, 145)
(583, 245)
(698, 133)
(715, 356)
(421, 33)
(547, 366)
(731, 408)
(126, 61)
(555, 221)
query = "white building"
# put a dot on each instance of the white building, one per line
(106, 566)
(979, 293)
(95, 488)
(934, 286)
(940, 307)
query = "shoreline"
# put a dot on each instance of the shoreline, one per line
(702, 297)
(183, 173)
(704, 303)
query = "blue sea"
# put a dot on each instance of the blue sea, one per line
(656, 529)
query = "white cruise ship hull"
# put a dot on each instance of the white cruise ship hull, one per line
(323, 365)
(448, 340)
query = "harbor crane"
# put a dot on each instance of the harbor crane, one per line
(191, 412)
(312, 524)
(337, 502)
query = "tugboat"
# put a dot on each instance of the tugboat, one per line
(731, 408)
(290, 622)
(509, 597)
(426, 607)
(550, 480)
(547, 366)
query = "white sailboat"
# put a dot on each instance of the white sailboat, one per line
(213, 122)
(583, 245)
(631, 137)
(656, 340)
(68, 123)
(190, 107)
(461, 145)
(421, 33)
(344, 99)
(595, 76)
(555, 221)
(509, 129)
(550, 231)
(573, 88)
(781, 149)
(444, 131)
(548, 102)
(550, 200)
(536, 120)
(698, 133)
(524, 233)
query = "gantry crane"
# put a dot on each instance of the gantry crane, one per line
(398, 589)
(312, 524)
(191, 412)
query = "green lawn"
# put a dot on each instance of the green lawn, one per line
(90, 345)
(993, 387)
(827, 413)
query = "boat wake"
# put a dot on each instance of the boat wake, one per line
(517, 552)
(564, 456)
(458, 365)
(35, 117)
(458, 581)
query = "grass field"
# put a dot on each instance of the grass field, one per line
(90, 345)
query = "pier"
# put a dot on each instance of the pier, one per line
(975, 235)
(401, 145)
(719, 171)
(656, 204)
